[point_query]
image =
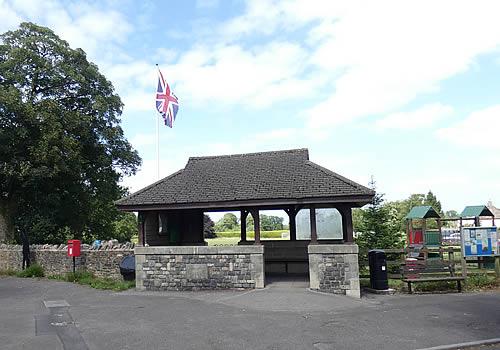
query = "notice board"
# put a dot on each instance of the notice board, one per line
(479, 241)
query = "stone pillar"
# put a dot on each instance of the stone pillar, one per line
(312, 219)
(333, 268)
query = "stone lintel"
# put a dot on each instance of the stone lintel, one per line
(332, 249)
(199, 250)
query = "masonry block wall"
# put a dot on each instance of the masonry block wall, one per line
(199, 267)
(334, 269)
(102, 262)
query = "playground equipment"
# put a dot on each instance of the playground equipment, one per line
(475, 212)
(478, 240)
(422, 236)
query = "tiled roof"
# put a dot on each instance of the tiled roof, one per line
(273, 176)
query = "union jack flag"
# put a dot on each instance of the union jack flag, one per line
(166, 102)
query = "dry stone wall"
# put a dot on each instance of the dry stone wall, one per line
(103, 261)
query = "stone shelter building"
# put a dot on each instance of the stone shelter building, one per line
(172, 253)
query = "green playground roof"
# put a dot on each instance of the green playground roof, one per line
(476, 211)
(423, 212)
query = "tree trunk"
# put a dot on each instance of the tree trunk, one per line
(6, 222)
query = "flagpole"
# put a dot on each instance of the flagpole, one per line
(157, 147)
(157, 144)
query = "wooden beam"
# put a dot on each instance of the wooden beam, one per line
(312, 220)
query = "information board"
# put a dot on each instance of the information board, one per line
(479, 241)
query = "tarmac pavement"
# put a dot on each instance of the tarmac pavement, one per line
(43, 314)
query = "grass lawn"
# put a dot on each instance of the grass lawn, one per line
(223, 241)
(233, 240)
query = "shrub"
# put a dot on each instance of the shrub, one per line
(88, 279)
(480, 280)
(34, 270)
(8, 272)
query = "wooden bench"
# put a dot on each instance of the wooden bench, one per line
(429, 270)
(285, 262)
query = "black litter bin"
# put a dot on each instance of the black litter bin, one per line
(378, 270)
(127, 268)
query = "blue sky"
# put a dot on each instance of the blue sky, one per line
(408, 92)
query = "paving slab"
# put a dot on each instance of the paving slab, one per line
(278, 317)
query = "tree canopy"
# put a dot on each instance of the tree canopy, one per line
(378, 226)
(62, 149)
(382, 224)
(230, 222)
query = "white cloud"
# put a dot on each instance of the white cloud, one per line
(422, 117)
(479, 129)
(376, 56)
(94, 29)
(386, 58)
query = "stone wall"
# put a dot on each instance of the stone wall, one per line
(333, 268)
(103, 262)
(199, 267)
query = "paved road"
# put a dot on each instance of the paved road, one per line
(282, 316)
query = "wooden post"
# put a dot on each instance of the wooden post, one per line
(407, 232)
(347, 229)
(243, 224)
(292, 214)
(412, 234)
(477, 222)
(451, 261)
(497, 265)
(141, 218)
(256, 226)
(440, 231)
(312, 220)
(424, 228)
(463, 261)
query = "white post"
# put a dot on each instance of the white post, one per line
(157, 147)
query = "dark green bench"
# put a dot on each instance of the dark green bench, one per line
(429, 270)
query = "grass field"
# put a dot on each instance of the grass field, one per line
(229, 240)
(233, 237)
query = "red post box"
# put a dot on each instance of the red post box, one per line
(73, 247)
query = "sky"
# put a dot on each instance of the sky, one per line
(407, 92)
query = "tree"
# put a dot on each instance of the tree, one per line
(378, 227)
(270, 222)
(229, 222)
(451, 214)
(208, 227)
(124, 227)
(403, 207)
(62, 149)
